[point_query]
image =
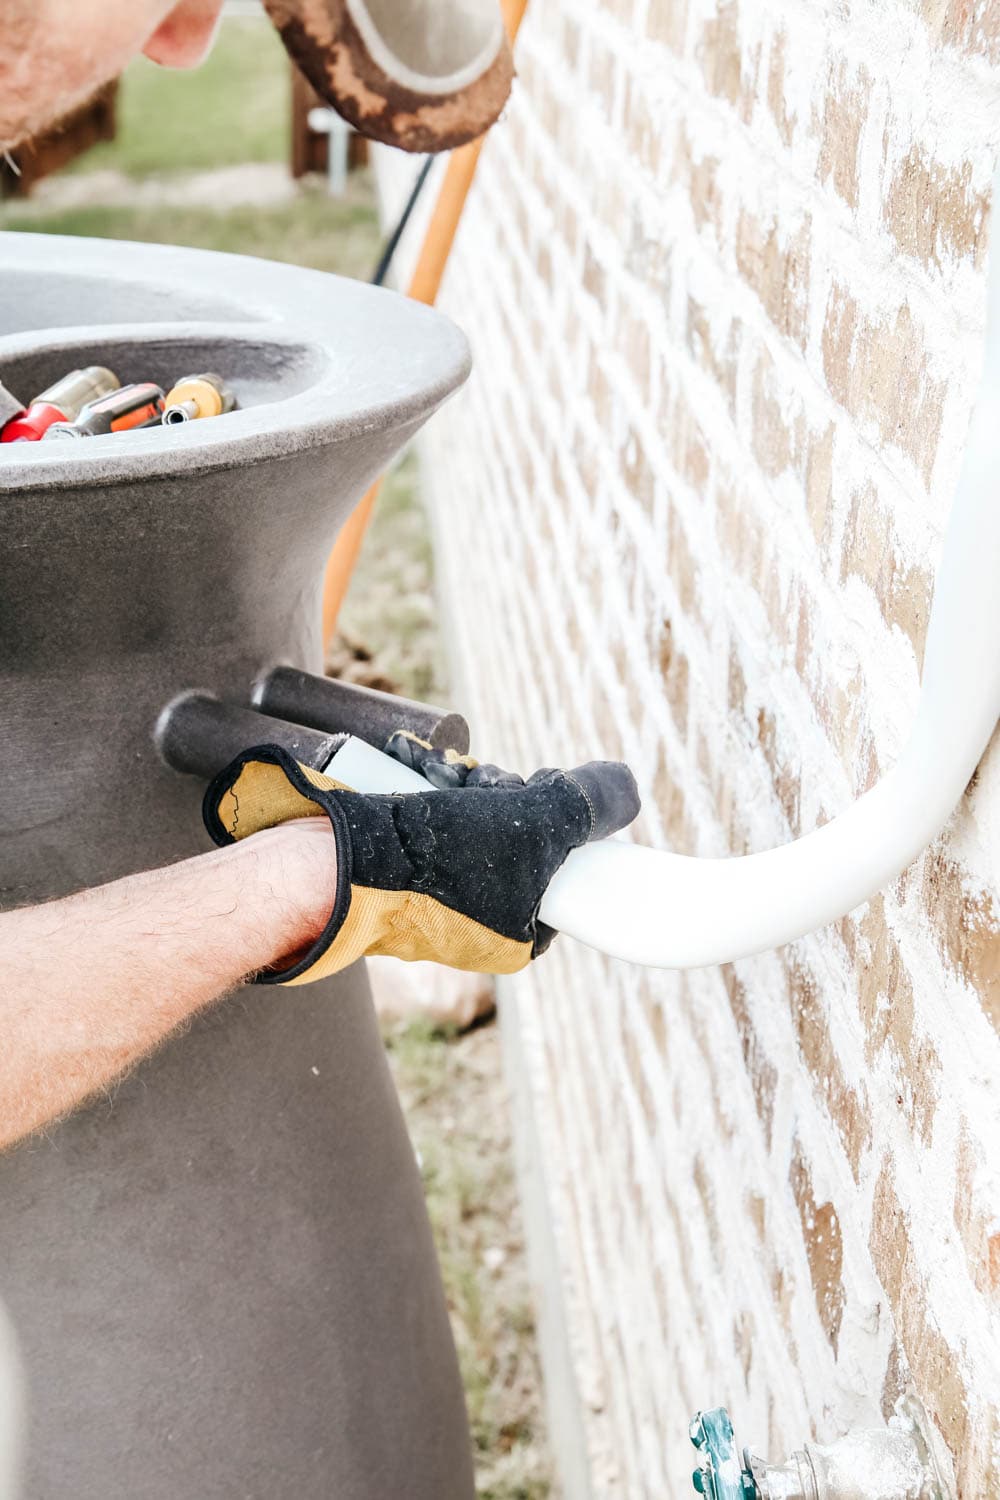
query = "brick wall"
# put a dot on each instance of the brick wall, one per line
(723, 273)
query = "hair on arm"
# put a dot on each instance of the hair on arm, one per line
(95, 981)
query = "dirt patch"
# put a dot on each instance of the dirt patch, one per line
(264, 184)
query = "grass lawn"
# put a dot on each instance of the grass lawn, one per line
(390, 605)
(234, 108)
(312, 229)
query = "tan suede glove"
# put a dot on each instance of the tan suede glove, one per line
(456, 875)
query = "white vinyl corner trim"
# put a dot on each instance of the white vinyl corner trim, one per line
(11, 1411)
(673, 911)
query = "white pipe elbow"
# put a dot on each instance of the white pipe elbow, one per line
(673, 911)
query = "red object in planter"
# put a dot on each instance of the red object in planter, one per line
(32, 424)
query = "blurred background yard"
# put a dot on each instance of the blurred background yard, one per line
(201, 159)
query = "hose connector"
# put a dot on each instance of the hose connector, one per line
(720, 1476)
(883, 1463)
(197, 396)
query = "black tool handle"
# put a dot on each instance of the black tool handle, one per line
(345, 708)
(199, 735)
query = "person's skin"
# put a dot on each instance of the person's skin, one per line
(97, 980)
(55, 53)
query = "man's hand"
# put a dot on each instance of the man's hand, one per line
(456, 875)
(95, 981)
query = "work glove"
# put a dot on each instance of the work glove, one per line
(455, 876)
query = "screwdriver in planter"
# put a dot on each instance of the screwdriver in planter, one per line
(120, 411)
(61, 402)
(197, 396)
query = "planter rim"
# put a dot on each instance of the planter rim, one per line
(359, 358)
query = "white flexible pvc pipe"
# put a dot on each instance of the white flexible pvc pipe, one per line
(676, 912)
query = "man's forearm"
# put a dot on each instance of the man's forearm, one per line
(93, 982)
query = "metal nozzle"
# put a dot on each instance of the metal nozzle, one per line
(78, 389)
(196, 396)
(794, 1480)
(180, 411)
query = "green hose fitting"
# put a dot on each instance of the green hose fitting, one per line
(894, 1462)
(722, 1475)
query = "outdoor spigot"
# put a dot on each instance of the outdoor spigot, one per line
(721, 1475)
(885, 1463)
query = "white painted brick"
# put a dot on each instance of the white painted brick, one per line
(604, 472)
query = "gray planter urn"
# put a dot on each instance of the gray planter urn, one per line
(221, 1275)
